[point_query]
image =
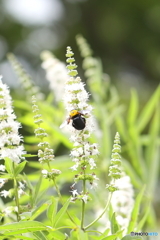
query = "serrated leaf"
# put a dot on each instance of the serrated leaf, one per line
(135, 211)
(19, 168)
(22, 227)
(52, 210)
(61, 212)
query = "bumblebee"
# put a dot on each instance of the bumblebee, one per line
(78, 121)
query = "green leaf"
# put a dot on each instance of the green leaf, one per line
(147, 111)
(56, 236)
(19, 168)
(59, 134)
(121, 127)
(29, 155)
(40, 236)
(135, 211)
(21, 237)
(82, 235)
(37, 189)
(24, 237)
(105, 234)
(144, 218)
(61, 212)
(113, 236)
(22, 227)
(129, 237)
(52, 210)
(114, 224)
(39, 210)
(152, 153)
(136, 181)
(133, 108)
(9, 165)
(22, 105)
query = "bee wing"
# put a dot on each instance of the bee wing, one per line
(64, 123)
(85, 112)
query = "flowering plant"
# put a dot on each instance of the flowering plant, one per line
(90, 197)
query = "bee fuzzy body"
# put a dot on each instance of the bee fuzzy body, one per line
(78, 122)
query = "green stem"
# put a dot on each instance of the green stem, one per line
(60, 197)
(83, 204)
(107, 204)
(16, 196)
(59, 194)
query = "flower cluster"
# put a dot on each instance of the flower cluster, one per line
(11, 193)
(25, 79)
(10, 148)
(83, 153)
(45, 153)
(97, 81)
(56, 73)
(10, 139)
(123, 200)
(115, 164)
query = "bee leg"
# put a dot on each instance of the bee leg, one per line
(68, 120)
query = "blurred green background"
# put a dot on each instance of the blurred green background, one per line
(124, 34)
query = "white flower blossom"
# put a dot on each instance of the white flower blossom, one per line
(76, 100)
(8, 210)
(92, 163)
(4, 193)
(76, 97)
(21, 185)
(15, 209)
(85, 198)
(2, 168)
(44, 173)
(75, 167)
(56, 73)
(123, 200)
(20, 192)
(74, 193)
(10, 139)
(2, 182)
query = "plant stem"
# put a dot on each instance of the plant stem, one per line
(59, 194)
(83, 203)
(107, 204)
(16, 195)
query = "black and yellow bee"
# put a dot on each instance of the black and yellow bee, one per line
(78, 121)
